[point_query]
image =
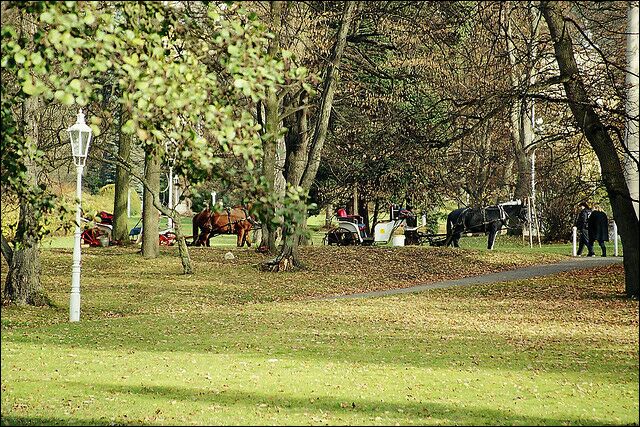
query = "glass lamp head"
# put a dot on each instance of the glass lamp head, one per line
(80, 136)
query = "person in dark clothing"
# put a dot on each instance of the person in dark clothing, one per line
(598, 229)
(582, 224)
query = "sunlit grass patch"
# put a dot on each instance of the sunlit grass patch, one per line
(231, 345)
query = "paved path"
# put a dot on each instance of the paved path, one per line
(504, 276)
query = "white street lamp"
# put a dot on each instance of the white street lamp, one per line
(80, 136)
(170, 149)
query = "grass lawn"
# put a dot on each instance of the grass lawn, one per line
(232, 345)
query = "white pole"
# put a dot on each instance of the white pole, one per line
(530, 220)
(533, 174)
(170, 220)
(615, 239)
(575, 232)
(74, 303)
(128, 202)
(213, 199)
(537, 222)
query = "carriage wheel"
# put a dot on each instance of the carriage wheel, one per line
(340, 236)
(345, 237)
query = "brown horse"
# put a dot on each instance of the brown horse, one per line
(208, 224)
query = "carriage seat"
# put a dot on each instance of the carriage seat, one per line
(355, 219)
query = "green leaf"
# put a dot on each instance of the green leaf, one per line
(36, 58)
(95, 129)
(76, 85)
(67, 99)
(129, 126)
(28, 87)
(240, 83)
(89, 18)
(19, 57)
(46, 17)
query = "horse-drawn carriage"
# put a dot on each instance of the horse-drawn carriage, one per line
(350, 229)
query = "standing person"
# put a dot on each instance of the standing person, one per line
(598, 229)
(582, 224)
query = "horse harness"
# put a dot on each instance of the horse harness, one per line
(462, 217)
(230, 223)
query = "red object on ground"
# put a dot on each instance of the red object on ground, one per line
(105, 217)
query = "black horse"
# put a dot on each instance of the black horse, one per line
(489, 220)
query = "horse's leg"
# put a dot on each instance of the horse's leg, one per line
(492, 237)
(195, 231)
(240, 233)
(456, 239)
(449, 240)
(244, 234)
(202, 238)
(247, 237)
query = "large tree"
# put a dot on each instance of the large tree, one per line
(20, 166)
(561, 28)
(307, 133)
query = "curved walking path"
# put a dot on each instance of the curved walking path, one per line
(503, 276)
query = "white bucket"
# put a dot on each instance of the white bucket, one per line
(397, 240)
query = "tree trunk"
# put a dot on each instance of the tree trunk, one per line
(302, 225)
(522, 115)
(631, 132)
(354, 207)
(183, 250)
(155, 201)
(288, 258)
(328, 92)
(272, 127)
(363, 211)
(23, 278)
(23, 286)
(601, 142)
(121, 197)
(376, 213)
(269, 144)
(297, 141)
(328, 214)
(289, 248)
(7, 252)
(150, 232)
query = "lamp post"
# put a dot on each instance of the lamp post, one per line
(80, 136)
(170, 221)
(171, 153)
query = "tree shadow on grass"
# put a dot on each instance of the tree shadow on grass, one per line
(358, 410)
(436, 348)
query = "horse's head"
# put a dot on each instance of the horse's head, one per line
(522, 213)
(516, 210)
